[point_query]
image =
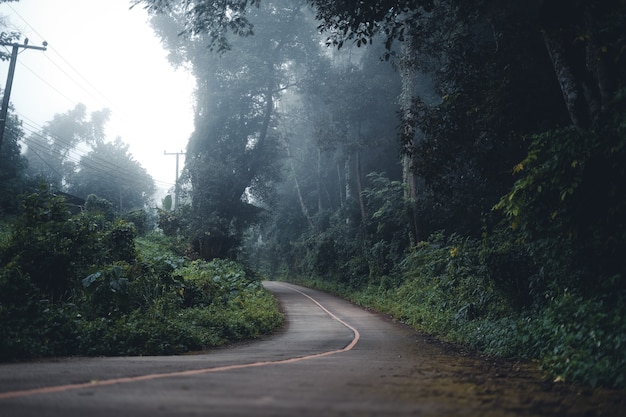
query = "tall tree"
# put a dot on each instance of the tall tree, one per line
(110, 172)
(231, 156)
(52, 152)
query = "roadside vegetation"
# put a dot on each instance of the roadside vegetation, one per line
(446, 287)
(86, 284)
(473, 187)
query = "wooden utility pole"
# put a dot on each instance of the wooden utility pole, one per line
(9, 85)
(176, 186)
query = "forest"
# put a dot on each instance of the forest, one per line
(456, 164)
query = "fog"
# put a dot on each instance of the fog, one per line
(103, 55)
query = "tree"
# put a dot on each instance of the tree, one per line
(51, 153)
(13, 166)
(342, 20)
(503, 80)
(232, 154)
(71, 154)
(7, 36)
(110, 172)
(585, 41)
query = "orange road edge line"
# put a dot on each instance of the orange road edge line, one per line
(149, 377)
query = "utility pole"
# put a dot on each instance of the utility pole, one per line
(9, 85)
(176, 186)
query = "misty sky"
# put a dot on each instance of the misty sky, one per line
(101, 54)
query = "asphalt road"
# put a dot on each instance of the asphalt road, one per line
(332, 359)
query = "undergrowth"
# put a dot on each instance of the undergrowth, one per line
(86, 284)
(447, 287)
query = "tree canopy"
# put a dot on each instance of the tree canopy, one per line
(72, 154)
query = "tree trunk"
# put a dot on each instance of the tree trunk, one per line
(407, 74)
(359, 185)
(410, 194)
(572, 90)
(303, 207)
(320, 206)
(340, 187)
(347, 176)
(257, 152)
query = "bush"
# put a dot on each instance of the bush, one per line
(20, 312)
(227, 306)
(80, 285)
(140, 219)
(461, 290)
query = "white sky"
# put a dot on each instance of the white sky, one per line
(103, 55)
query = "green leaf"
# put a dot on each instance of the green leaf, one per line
(91, 279)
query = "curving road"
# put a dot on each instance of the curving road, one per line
(332, 359)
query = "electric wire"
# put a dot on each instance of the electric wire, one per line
(22, 65)
(36, 142)
(103, 166)
(103, 100)
(34, 129)
(53, 49)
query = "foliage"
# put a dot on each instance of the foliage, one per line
(48, 150)
(157, 243)
(167, 202)
(5, 234)
(141, 219)
(50, 246)
(106, 290)
(485, 85)
(215, 20)
(342, 20)
(570, 191)
(80, 285)
(121, 180)
(8, 38)
(107, 169)
(19, 310)
(173, 306)
(445, 284)
(233, 155)
(13, 165)
(576, 339)
(444, 288)
(512, 269)
(95, 204)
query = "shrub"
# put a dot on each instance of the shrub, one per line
(140, 219)
(80, 285)
(453, 288)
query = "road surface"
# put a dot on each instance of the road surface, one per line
(332, 359)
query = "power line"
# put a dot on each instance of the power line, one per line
(75, 76)
(51, 47)
(93, 162)
(89, 161)
(47, 83)
(34, 129)
(102, 99)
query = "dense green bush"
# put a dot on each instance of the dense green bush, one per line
(567, 207)
(140, 219)
(454, 288)
(84, 284)
(57, 249)
(445, 286)
(225, 305)
(356, 252)
(19, 310)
